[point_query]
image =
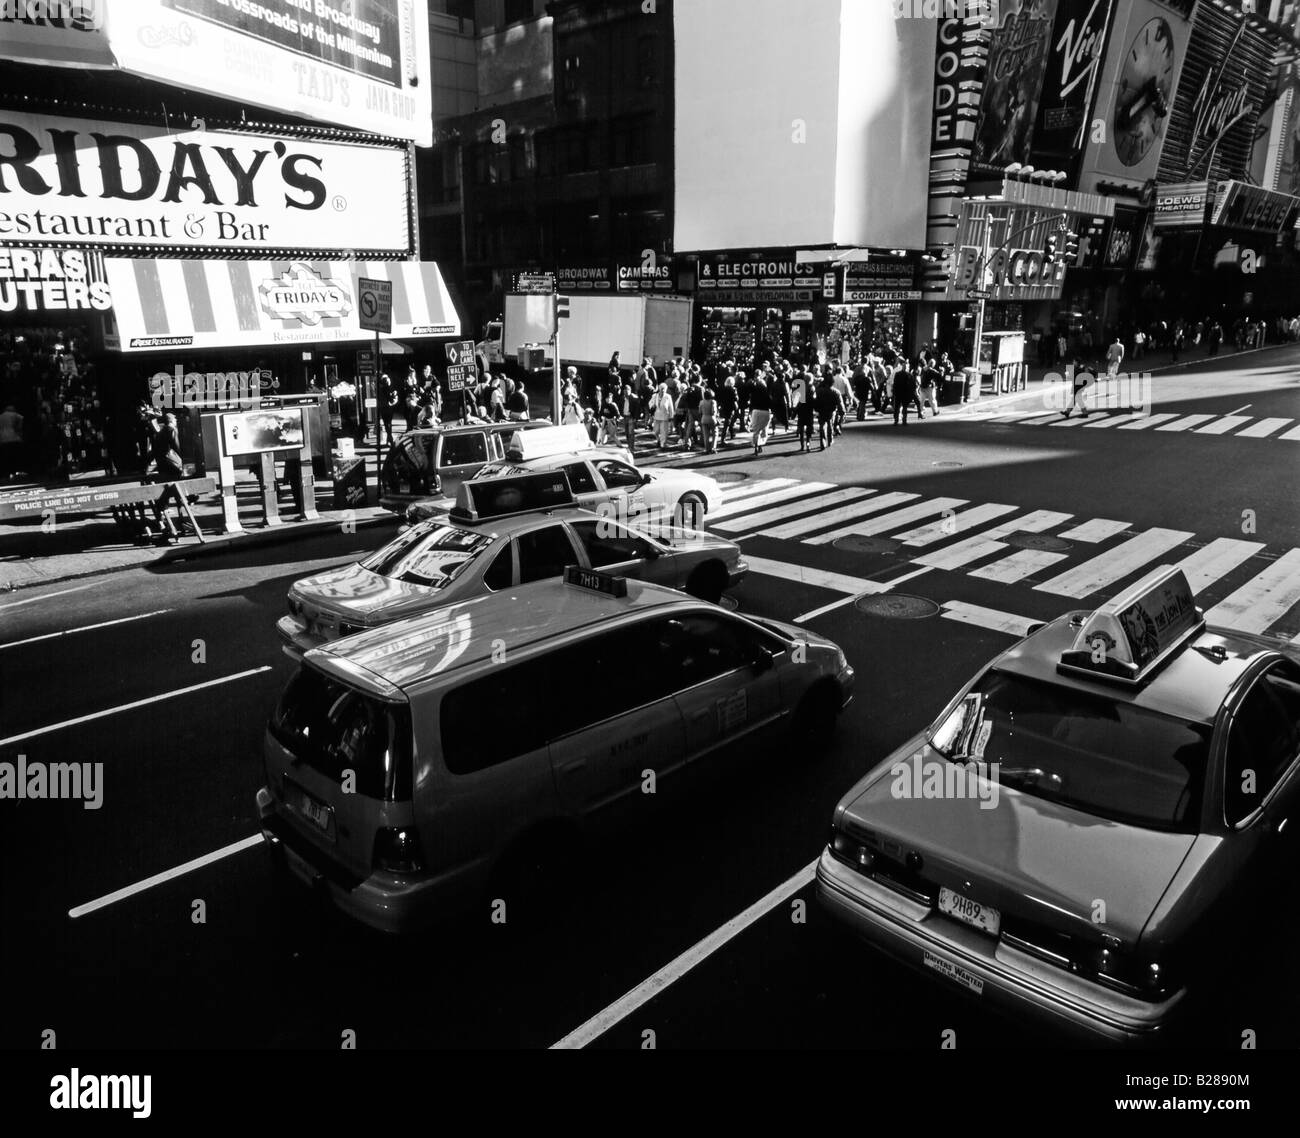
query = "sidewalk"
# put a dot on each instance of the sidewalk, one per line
(88, 545)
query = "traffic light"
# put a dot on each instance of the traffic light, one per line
(561, 308)
(1051, 247)
(1070, 250)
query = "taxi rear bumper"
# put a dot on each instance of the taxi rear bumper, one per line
(1012, 981)
(295, 639)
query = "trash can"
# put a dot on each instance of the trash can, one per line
(952, 390)
(349, 470)
(973, 379)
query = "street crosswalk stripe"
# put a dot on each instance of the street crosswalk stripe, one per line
(1147, 421)
(1024, 563)
(1072, 421)
(892, 520)
(988, 618)
(1012, 416)
(1186, 423)
(1262, 429)
(1113, 420)
(986, 543)
(963, 522)
(1096, 529)
(727, 509)
(1293, 435)
(792, 509)
(1039, 419)
(1115, 564)
(746, 489)
(821, 578)
(1217, 559)
(1262, 600)
(830, 517)
(1223, 425)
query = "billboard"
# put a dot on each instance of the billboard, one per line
(837, 157)
(1138, 85)
(257, 432)
(358, 63)
(1017, 65)
(88, 182)
(61, 33)
(1073, 69)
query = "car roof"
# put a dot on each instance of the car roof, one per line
(545, 460)
(412, 654)
(1192, 686)
(464, 428)
(511, 524)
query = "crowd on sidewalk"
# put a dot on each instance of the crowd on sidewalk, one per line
(1180, 337)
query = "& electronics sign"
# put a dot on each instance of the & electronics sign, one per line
(91, 182)
(778, 279)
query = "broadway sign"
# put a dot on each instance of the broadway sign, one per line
(87, 182)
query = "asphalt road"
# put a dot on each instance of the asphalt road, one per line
(109, 670)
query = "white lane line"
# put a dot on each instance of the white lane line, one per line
(830, 517)
(821, 578)
(648, 989)
(1264, 599)
(1148, 421)
(876, 587)
(1186, 423)
(166, 875)
(1072, 421)
(891, 520)
(1098, 529)
(1012, 416)
(1292, 435)
(1262, 429)
(1224, 425)
(46, 597)
(1114, 420)
(1018, 566)
(1006, 622)
(745, 489)
(1039, 419)
(83, 628)
(1244, 407)
(132, 706)
(959, 523)
(727, 509)
(1216, 560)
(1113, 565)
(791, 509)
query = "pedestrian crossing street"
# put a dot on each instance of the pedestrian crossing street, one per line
(1236, 426)
(1254, 588)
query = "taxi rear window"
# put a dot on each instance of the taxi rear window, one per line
(1100, 756)
(331, 728)
(428, 555)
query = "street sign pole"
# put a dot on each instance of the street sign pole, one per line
(379, 421)
(375, 313)
(555, 376)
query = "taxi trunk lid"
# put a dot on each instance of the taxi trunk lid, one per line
(1048, 869)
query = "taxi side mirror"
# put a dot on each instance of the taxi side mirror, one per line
(764, 660)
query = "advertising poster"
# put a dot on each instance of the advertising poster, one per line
(90, 182)
(359, 63)
(1017, 66)
(1073, 69)
(68, 34)
(254, 432)
(1148, 48)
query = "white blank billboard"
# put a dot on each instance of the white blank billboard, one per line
(801, 123)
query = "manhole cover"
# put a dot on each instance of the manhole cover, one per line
(1037, 541)
(897, 606)
(725, 476)
(947, 462)
(729, 603)
(860, 543)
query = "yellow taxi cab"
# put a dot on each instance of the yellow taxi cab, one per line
(1091, 822)
(405, 763)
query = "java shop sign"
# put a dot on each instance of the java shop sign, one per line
(90, 182)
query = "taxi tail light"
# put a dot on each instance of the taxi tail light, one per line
(295, 606)
(398, 850)
(902, 878)
(1118, 969)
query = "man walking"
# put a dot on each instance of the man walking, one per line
(760, 412)
(1114, 357)
(904, 392)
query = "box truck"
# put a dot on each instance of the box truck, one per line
(597, 327)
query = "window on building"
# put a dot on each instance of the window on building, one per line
(572, 76)
(647, 61)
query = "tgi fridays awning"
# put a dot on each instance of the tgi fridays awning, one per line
(166, 303)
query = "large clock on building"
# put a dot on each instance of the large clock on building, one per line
(1143, 90)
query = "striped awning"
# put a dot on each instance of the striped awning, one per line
(166, 303)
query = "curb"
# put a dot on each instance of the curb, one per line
(219, 544)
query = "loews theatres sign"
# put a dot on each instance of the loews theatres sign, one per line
(88, 182)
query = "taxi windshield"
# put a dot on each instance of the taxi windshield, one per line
(1102, 757)
(428, 555)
